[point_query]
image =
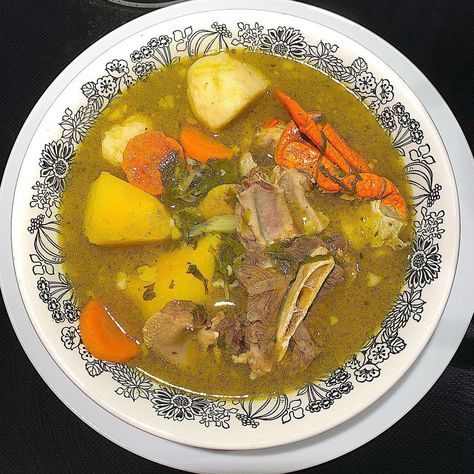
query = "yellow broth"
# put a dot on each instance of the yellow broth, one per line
(341, 322)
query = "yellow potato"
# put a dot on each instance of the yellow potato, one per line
(219, 201)
(118, 213)
(220, 87)
(171, 280)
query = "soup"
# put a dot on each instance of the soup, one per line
(221, 239)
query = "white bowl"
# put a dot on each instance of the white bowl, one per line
(162, 411)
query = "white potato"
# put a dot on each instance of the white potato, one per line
(221, 86)
(116, 138)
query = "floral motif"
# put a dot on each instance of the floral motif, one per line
(378, 353)
(248, 36)
(367, 373)
(106, 86)
(45, 198)
(284, 41)
(85, 354)
(422, 153)
(133, 384)
(216, 414)
(143, 69)
(339, 376)
(429, 227)
(75, 126)
(176, 405)
(424, 263)
(420, 176)
(70, 310)
(55, 161)
(56, 292)
(365, 83)
(181, 38)
(117, 68)
(408, 305)
(322, 57)
(408, 130)
(384, 91)
(70, 337)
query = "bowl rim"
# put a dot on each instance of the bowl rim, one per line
(227, 7)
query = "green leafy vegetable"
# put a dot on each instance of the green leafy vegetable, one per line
(224, 224)
(185, 187)
(186, 219)
(149, 292)
(281, 258)
(194, 271)
(214, 173)
(228, 256)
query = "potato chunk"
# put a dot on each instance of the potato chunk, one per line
(115, 139)
(118, 213)
(171, 279)
(220, 87)
(219, 201)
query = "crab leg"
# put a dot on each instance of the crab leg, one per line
(373, 186)
(302, 156)
(352, 156)
(305, 157)
(326, 137)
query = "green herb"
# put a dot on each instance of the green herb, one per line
(223, 224)
(229, 255)
(149, 293)
(171, 285)
(282, 259)
(187, 219)
(184, 187)
(214, 173)
(168, 168)
(194, 271)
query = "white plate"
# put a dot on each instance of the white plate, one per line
(344, 437)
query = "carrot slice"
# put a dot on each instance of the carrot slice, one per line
(143, 157)
(201, 147)
(103, 337)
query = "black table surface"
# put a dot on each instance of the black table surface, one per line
(38, 38)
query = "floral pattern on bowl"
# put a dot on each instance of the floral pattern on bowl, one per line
(56, 292)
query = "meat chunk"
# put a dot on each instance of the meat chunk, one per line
(302, 247)
(265, 289)
(170, 331)
(254, 251)
(336, 277)
(258, 280)
(294, 184)
(262, 305)
(266, 213)
(305, 350)
(335, 242)
(230, 329)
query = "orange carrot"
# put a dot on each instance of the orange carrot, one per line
(143, 157)
(201, 147)
(103, 337)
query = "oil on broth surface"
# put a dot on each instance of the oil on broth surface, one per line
(341, 322)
